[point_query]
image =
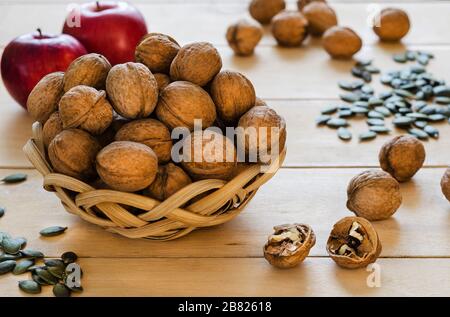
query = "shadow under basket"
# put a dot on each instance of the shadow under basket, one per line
(203, 203)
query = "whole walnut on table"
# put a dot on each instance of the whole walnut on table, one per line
(391, 24)
(157, 51)
(320, 17)
(243, 36)
(264, 10)
(341, 42)
(289, 28)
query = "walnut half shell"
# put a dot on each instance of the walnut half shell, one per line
(353, 243)
(289, 245)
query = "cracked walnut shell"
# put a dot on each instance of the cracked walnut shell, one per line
(52, 127)
(374, 195)
(85, 108)
(243, 36)
(289, 245)
(341, 42)
(182, 102)
(150, 132)
(391, 24)
(132, 89)
(197, 63)
(353, 243)
(72, 152)
(445, 184)
(88, 70)
(264, 10)
(127, 166)
(402, 157)
(169, 179)
(289, 28)
(233, 94)
(157, 51)
(320, 17)
(44, 98)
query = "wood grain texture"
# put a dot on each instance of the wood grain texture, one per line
(313, 196)
(250, 277)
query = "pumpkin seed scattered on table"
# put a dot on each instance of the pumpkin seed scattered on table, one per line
(60, 290)
(7, 266)
(52, 231)
(344, 134)
(2, 212)
(14, 178)
(30, 287)
(32, 254)
(69, 257)
(12, 246)
(368, 135)
(22, 266)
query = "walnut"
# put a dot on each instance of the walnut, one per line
(182, 102)
(374, 195)
(320, 17)
(85, 108)
(156, 51)
(445, 184)
(162, 80)
(196, 62)
(132, 89)
(402, 157)
(169, 179)
(289, 245)
(243, 37)
(127, 166)
(341, 42)
(353, 243)
(391, 24)
(109, 135)
(233, 94)
(52, 127)
(89, 70)
(264, 10)
(150, 132)
(72, 152)
(257, 137)
(43, 99)
(289, 28)
(302, 3)
(208, 155)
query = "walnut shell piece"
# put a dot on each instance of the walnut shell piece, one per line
(72, 152)
(302, 3)
(353, 243)
(197, 63)
(44, 98)
(132, 89)
(289, 28)
(264, 10)
(243, 36)
(289, 245)
(402, 157)
(391, 24)
(445, 184)
(181, 102)
(341, 42)
(374, 195)
(208, 155)
(127, 166)
(320, 17)
(169, 179)
(157, 51)
(150, 132)
(162, 80)
(85, 108)
(52, 127)
(233, 94)
(89, 70)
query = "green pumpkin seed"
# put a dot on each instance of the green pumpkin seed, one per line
(403, 93)
(441, 91)
(417, 115)
(432, 131)
(56, 271)
(22, 266)
(32, 254)
(350, 97)
(383, 110)
(329, 110)
(54, 263)
(427, 110)
(71, 257)
(386, 79)
(368, 135)
(363, 62)
(375, 115)
(362, 104)
(38, 280)
(374, 101)
(12, 246)
(14, 178)
(344, 134)
(366, 89)
(60, 290)
(436, 117)
(52, 231)
(323, 119)
(350, 85)
(420, 124)
(7, 266)
(7, 257)
(442, 100)
(46, 276)
(359, 110)
(385, 95)
(403, 121)
(379, 129)
(372, 69)
(420, 134)
(35, 267)
(423, 59)
(2, 212)
(404, 111)
(400, 58)
(30, 287)
(375, 121)
(345, 113)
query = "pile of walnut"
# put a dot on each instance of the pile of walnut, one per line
(315, 17)
(111, 126)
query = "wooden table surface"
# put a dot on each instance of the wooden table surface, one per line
(310, 188)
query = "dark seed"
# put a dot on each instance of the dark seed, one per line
(363, 104)
(344, 134)
(35, 267)
(54, 262)
(30, 287)
(375, 114)
(22, 266)
(366, 76)
(420, 134)
(385, 95)
(32, 254)
(436, 117)
(329, 110)
(359, 110)
(52, 231)
(46, 276)
(357, 71)
(417, 69)
(14, 178)
(420, 124)
(432, 131)
(400, 58)
(363, 62)
(345, 113)
(350, 97)
(403, 93)
(404, 111)
(418, 105)
(8, 257)
(7, 266)
(11, 246)
(403, 121)
(442, 91)
(375, 102)
(38, 280)
(351, 85)
(71, 257)
(321, 120)
(56, 271)
(442, 100)
(368, 135)
(417, 115)
(383, 110)
(379, 129)
(427, 110)
(375, 121)
(60, 290)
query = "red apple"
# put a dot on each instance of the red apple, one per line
(112, 29)
(30, 57)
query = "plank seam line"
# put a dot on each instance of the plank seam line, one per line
(397, 257)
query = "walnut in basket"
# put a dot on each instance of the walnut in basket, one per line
(85, 108)
(52, 127)
(156, 51)
(127, 166)
(341, 42)
(132, 89)
(162, 80)
(72, 152)
(289, 28)
(169, 179)
(243, 36)
(264, 10)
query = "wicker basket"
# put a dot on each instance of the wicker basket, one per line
(165, 220)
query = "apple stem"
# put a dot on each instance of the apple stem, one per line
(39, 31)
(98, 5)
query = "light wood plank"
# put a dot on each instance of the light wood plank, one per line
(250, 277)
(313, 196)
(207, 21)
